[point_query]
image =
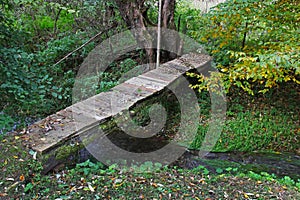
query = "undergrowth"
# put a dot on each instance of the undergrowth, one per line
(263, 123)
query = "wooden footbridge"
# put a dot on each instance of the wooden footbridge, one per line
(55, 130)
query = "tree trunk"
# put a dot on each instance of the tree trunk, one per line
(134, 13)
(172, 39)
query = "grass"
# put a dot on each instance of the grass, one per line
(262, 123)
(255, 130)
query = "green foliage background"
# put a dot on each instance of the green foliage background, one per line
(34, 35)
(254, 43)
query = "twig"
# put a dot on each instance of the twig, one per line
(69, 54)
(12, 186)
(55, 22)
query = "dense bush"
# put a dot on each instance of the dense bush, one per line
(255, 43)
(34, 36)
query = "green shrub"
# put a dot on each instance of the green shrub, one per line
(255, 43)
(6, 123)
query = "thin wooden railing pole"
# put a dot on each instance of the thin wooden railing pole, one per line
(159, 33)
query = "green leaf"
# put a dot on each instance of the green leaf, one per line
(219, 170)
(54, 94)
(71, 11)
(28, 187)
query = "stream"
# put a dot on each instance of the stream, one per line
(279, 164)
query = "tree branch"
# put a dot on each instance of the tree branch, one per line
(55, 22)
(244, 37)
(69, 54)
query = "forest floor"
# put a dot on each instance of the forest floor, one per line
(21, 176)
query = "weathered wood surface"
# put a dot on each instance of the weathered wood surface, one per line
(85, 115)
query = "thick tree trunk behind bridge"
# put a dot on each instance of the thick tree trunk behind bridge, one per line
(134, 13)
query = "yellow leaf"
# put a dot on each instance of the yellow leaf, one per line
(118, 185)
(153, 184)
(22, 178)
(203, 39)
(252, 59)
(231, 28)
(223, 44)
(214, 35)
(17, 137)
(16, 157)
(224, 70)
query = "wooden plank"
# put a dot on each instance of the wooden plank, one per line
(153, 84)
(174, 67)
(134, 90)
(161, 75)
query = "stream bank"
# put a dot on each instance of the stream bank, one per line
(279, 164)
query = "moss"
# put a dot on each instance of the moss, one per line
(65, 151)
(107, 125)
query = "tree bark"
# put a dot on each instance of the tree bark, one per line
(172, 39)
(134, 13)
